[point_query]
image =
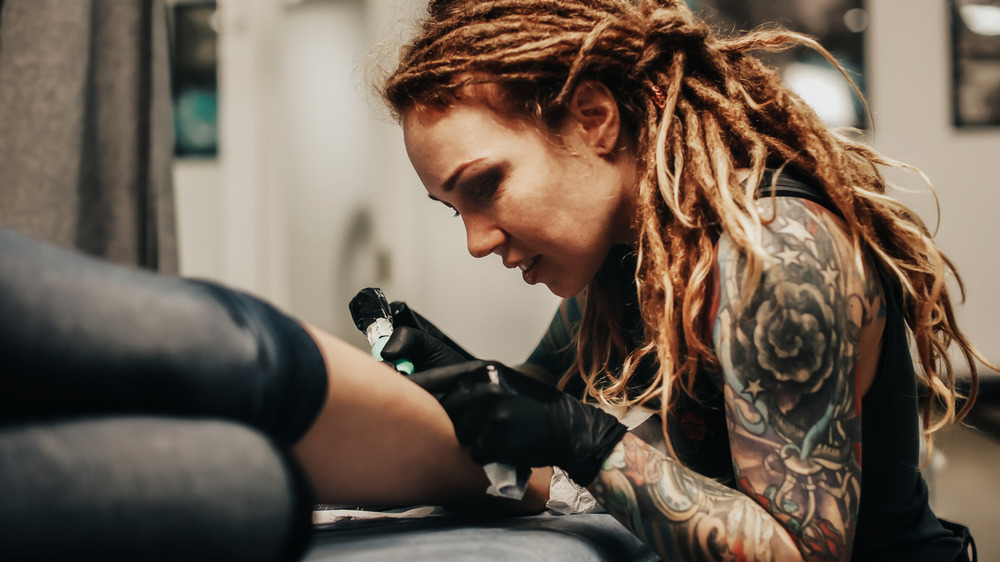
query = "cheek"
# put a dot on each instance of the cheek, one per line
(551, 207)
(560, 232)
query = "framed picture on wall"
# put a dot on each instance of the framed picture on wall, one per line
(975, 56)
(838, 25)
(194, 40)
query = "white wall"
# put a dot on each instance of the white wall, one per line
(306, 166)
(910, 80)
(196, 190)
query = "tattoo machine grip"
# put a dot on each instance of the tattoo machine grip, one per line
(371, 314)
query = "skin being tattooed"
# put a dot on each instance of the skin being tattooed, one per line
(792, 352)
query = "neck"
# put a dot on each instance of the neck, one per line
(628, 213)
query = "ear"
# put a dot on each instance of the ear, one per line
(594, 108)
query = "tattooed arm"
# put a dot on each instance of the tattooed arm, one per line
(682, 514)
(789, 352)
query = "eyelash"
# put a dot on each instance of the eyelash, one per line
(482, 189)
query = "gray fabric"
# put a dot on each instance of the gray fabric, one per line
(588, 537)
(150, 489)
(87, 136)
(83, 336)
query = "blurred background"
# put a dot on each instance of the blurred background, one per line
(290, 181)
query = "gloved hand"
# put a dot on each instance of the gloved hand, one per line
(521, 421)
(418, 340)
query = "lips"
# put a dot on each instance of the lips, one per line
(529, 271)
(528, 267)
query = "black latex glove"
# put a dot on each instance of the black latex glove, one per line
(521, 421)
(418, 340)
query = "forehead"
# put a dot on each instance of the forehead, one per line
(424, 123)
(438, 139)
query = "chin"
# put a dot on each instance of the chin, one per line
(565, 290)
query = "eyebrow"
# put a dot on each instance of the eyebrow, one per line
(449, 184)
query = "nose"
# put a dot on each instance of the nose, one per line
(482, 235)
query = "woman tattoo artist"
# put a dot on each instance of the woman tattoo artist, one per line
(726, 259)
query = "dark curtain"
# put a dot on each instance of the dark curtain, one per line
(86, 133)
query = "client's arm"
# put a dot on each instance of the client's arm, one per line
(381, 439)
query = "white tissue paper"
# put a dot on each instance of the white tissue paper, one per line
(565, 495)
(505, 481)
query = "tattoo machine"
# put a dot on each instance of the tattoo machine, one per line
(505, 480)
(371, 314)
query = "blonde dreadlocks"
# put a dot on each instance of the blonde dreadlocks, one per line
(695, 107)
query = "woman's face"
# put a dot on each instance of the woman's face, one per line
(551, 209)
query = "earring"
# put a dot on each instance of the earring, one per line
(658, 98)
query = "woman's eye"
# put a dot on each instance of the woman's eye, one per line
(481, 189)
